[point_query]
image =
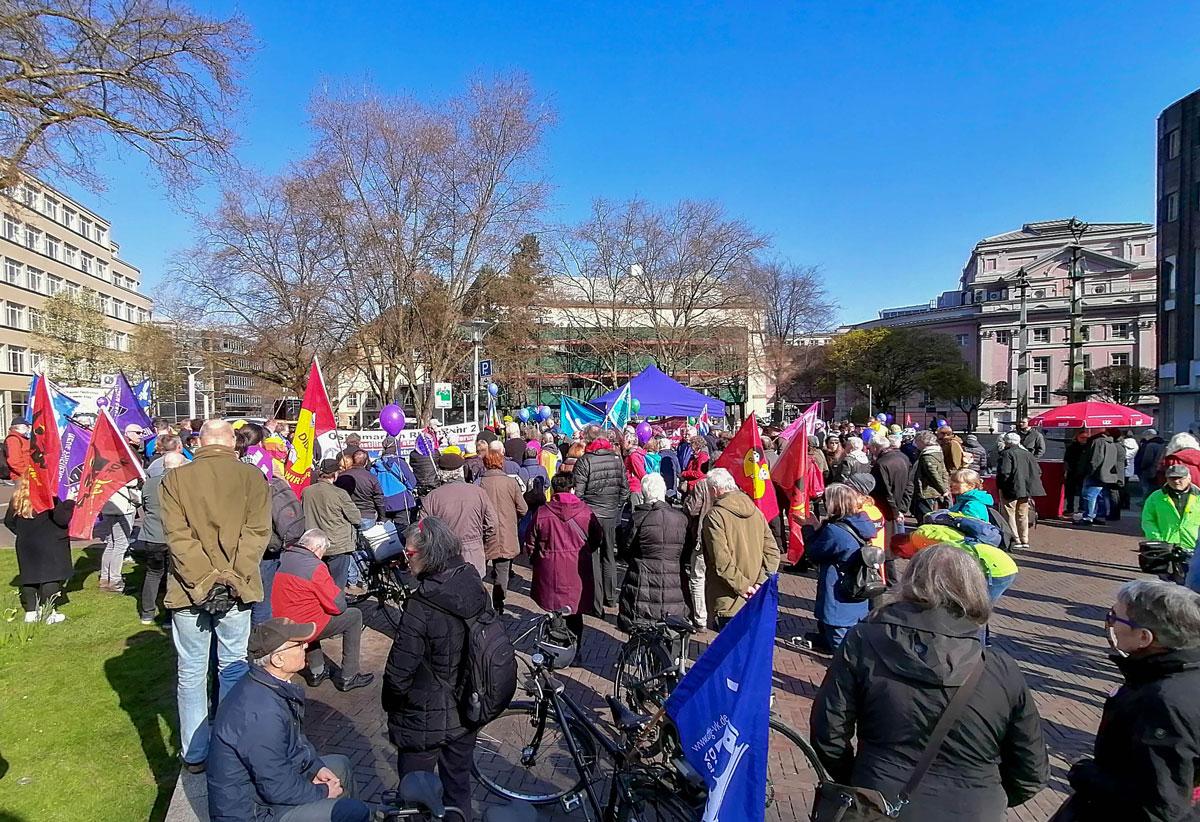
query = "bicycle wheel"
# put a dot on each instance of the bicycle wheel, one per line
(523, 754)
(637, 684)
(649, 805)
(793, 773)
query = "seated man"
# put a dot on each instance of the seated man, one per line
(259, 762)
(304, 591)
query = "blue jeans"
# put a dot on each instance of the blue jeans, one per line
(1193, 575)
(834, 635)
(339, 568)
(261, 611)
(1095, 501)
(996, 586)
(193, 633)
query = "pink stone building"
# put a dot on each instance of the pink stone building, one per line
(1119, 313)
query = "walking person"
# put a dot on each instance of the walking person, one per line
(1019, 481)
(216, 516)
(601, 482)
(426, 662)
(116, 530)
(653, 547)
(43, 551)
(931, 480)
(509, 506)
(1147, 752)
(152, 538)
(838, 540)
(895, 675)
(696, 506)
(564, 544)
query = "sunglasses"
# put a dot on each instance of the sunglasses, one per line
(1112, 617)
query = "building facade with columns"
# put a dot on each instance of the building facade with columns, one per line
(1119, 313)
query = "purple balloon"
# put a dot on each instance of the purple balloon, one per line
(644, 432)
(391, 419)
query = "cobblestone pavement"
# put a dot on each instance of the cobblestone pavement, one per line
(1050, 621)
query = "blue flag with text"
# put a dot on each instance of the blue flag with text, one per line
(574, 416)
(723, 706)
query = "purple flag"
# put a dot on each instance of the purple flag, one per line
(124, 407)
(75, 441)
(261, 459)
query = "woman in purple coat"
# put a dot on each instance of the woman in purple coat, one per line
(563, 544)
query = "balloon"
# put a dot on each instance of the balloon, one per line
(391, 419)
(644, 432)
(544, 413)
(866, 435)
(881, 417)
(891, 418)
(941, 423)
(523, 415)
(635, 404)
(493, 389)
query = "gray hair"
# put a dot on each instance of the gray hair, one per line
(452, 474)
(895, 440)
(1012, 438)
(314, 539)
(925, 439)
(721, 481)
(591, 433)
(1171, 612)
(854, 443)
(434, 542)
(654, 488)
(948, 578)
(1181, 441)
(263, 661)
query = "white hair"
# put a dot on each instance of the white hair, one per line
(895, 440)
(512, 430)
(1171, 612)
(314, 539)
(654, 488)
(1012, 438)
(722, 481)
(1181, 441)
(854, 443)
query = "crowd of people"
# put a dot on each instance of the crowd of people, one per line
(616, 526)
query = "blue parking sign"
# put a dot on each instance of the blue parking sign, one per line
(485, 368)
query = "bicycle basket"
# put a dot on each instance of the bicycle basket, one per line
(557, 644)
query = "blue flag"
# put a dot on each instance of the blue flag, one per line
(142, 392)
(621, 409)
(723, 706)
(574, 416)
(124, 408)
(64, 406)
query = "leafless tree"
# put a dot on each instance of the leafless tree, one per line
(150, 74)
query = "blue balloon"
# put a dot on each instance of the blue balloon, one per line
(941, 423)
(493, 389)
(867, 434)
(544, 413)
(523, 415)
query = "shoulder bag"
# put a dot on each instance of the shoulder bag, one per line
(846, 803)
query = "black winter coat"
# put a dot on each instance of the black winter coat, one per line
(1149, 457)
(424, 470)
(1034, 441)
(600, 481)
(653, 547)
(890, 682)
(1148, 746)
(1106, 461)
(893, 492)
(1018, 474)
(425, 663)
(43, 547)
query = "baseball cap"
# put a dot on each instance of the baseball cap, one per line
(1177, 471)
(267, 637)
(861, 482)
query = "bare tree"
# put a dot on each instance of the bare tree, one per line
(793, 301)
(151, 74)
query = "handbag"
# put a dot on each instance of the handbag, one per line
(846, 803)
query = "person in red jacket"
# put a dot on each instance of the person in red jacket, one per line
(303, 591)
(16, 450)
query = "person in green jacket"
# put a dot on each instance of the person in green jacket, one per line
(1172, 513)
(970, 499)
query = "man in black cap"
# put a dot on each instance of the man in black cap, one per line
(330, 509)
(260, 764)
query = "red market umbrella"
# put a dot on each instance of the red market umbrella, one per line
(1092, 415)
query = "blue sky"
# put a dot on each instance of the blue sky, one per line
(873, 140)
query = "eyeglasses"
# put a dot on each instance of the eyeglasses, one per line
(1112, 617)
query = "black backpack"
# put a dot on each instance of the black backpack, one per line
(489, 672)
(1007, 537)
(862, 577)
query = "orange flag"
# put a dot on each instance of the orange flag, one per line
(745, 459)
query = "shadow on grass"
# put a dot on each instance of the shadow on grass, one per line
(143, 677)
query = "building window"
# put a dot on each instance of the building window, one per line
(33, 239)
(1172, 144)
(12, 229)
(1041, 394)
(1120, 360)
(1002, 392)
(53, 285)
(85, 227)
(71, 255)
(1085, 332)
(72, 288)
(142, 316)
(1041, 365)
(1139, 250)
(16, 359)
(34, 278)
(130, 312)
(85, 262)
(32, 198)
(1087, 362)
(1172, 207)
(1041, 335)
(14, 316)
(69, 218)
(989, 264)
(1003, 337)
(961, 339)
(101, 235)
(1100, 289)
(36, 323)
(50, 207)
(52, 247)
(102, 270)
(1120, 331)
(12, 272)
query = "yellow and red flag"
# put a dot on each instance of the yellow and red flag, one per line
(45, 449)
(108, 467)
(315, 424)
(745, 459)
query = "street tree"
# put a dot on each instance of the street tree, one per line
(1122, 384)
(955, 383)
(887, 363)
(74, 340)
(151, 75)
(514, 299)
(793, 301)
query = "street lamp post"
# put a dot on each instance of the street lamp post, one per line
(478, 328)
(1075, 385)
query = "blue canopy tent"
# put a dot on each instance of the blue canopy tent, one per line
(661, 396)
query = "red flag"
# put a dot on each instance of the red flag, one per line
(800, 480)
(315, 421)
(108, 467)
(45, 449)
(745, 459)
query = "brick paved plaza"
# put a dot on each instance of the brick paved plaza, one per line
(1050, 621)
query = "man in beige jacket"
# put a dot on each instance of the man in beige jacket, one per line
(739, 549)
(216, 515)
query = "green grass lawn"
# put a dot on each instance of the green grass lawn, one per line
(88, 728)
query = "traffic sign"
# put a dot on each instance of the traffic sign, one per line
(485, 368)
(441, 395)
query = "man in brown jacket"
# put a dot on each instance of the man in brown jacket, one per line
(465, 508)
(952, 449)
(739, 549)
(329, 508)
(216, 515)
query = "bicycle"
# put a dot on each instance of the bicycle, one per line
(420, 798)
(1168, 562)
(547, 749)
(383, 575)
(655, 660)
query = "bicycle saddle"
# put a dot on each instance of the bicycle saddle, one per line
(678, 624)
(512, 812)
(423, 789)
(626, 720)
